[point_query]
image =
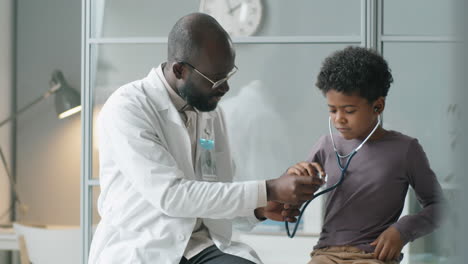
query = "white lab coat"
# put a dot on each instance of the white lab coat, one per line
(150, 197)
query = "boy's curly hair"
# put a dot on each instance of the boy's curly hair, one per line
(355, 70)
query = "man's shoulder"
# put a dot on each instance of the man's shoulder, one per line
(139, 92)
(134, 98)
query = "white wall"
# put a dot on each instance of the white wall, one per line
(48, 149)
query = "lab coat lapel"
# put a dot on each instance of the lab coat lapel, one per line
(170, 115)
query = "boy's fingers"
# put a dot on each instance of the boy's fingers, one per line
(384, 253)
(378, 248)
(318, 168)
(298, 168)
(294, 170)
(307, 167)
(391, 255)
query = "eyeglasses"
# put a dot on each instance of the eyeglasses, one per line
(217, 83)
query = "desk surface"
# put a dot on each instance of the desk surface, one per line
(8, 239)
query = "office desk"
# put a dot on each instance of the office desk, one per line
(8, 239)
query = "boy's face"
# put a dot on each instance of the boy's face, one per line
(353, 116)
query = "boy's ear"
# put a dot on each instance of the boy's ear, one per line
(379, 105)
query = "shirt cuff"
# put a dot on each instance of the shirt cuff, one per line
(405, 238)
(262, 194)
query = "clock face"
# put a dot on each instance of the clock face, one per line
(238, 17)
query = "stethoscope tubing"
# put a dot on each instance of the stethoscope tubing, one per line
(349, 156)
(329, 189)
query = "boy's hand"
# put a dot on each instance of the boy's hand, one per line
(306, 169)
(388, 245)
(277, 212)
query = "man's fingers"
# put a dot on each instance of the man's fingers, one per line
(306, 180)
(304, 197)
(291, 212)
(294, 206)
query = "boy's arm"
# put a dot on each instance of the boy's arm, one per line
(423, 180)
(428, 192)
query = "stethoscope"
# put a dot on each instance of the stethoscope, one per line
(343, 169)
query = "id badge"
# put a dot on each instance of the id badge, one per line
(207, 159)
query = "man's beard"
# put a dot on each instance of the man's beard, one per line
(196, 99)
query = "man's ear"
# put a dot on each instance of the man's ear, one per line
(178, 69)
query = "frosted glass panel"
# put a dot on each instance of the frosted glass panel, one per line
(118, 64)
(274, 112)
(305, 17)
(420, 100)
(421, 104)
(150, 18)
(418, 17)
(113, 65)
(137, 18)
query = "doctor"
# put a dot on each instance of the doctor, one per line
(157, 204)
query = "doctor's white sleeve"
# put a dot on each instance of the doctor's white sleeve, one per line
(147, 164)
(248, 222)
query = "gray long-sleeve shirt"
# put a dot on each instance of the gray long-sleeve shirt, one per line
(372, 196)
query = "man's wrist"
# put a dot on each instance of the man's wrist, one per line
(260, 213)
(270, 189)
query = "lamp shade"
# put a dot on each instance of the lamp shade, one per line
(67, 99)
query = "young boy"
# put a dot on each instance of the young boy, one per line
(361, 222)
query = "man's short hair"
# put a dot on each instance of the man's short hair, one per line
(188, 35)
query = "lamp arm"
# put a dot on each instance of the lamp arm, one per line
(49, 92)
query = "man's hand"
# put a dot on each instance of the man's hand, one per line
(277, 212)
(292, 189)
(388, 245)
(296, 186)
